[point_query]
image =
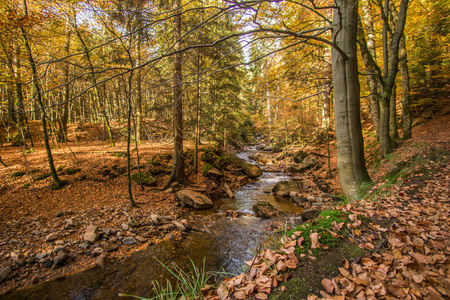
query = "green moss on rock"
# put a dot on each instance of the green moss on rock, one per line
(146, 178)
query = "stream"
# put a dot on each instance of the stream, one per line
(225, 245)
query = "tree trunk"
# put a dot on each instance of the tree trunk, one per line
(56, 181)
(62, 131)
(372, 79)
(406, 106)
(130, 192)
(139, 93)
(99, 103)
(197, 115)
(393, 114)
(350, 147)
(178, 174)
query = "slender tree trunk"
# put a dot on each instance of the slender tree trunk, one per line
(393, 114)
(56, 181)
(197, 115)
(62, 132)
(139, 93)
(130, 192)
(350, 147)
(406, 106)
(1, 162)
(178, 174)
(389, 75)
(99, 103)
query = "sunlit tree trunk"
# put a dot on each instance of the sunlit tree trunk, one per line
(62, 131)
(56, 181)
(178, 174)
(393, 114)
(100, 105)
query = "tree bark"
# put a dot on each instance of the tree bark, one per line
(389, 78)
(393, 114)
(100, 105)
(406, 104)
(350, 147)
(372, 79)
(62, 130)
(178, 174)
(56, 181)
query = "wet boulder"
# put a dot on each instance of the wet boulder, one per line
(251, 170)
(265, 210)
(310, 214)
(299, 156)
(307, 163)
(286, 187)
(194, 199)
(4, 273)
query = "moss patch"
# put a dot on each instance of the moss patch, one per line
(306, 279)
(206, 169)
(146, 178)
(18, 174)
(322, 225)
(41, 176)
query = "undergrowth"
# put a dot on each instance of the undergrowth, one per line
(188, 284)
(322, 225)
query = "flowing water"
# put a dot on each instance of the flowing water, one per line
(225, 245)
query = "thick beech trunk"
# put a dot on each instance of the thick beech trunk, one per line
(350, 147)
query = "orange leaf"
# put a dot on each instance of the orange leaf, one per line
(328, 285)
(314, 237)
(239, 295)
(261, 296)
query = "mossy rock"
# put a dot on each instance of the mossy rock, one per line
(71, 171)
(18, 174)
(206, 169)
(251, 170)
(119, 154)
(146, 178)
(265, 210)
(41, 176)
(105, 172)
(299, 156)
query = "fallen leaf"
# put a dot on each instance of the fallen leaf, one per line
(222, 292)
(328, 285)
(418, 278)
(396, 291)
(368, 246)
(290, 263)
(281, 266)
(205, 289)
(362, 279)
(367, 262)
(397, 254)
(345, 263)
(314, 237)
(420, 258)
(239, 295)
(261, 296)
